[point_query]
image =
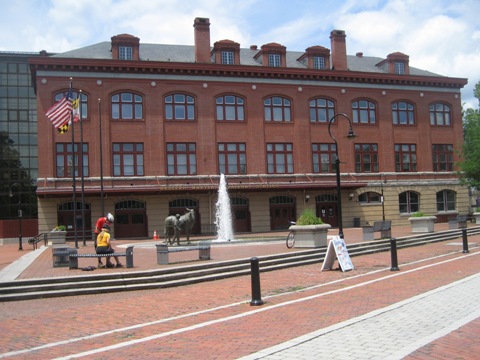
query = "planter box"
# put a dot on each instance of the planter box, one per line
(476, 215)
(310, 236)
(56, 237)
(423, 223)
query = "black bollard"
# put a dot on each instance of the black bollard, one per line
(465, 241)
(256, 292)
(393, 252)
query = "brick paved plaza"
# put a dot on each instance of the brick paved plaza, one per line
(214, 320)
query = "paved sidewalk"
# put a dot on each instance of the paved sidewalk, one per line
(392, 332)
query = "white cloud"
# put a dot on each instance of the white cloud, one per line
(439, 35)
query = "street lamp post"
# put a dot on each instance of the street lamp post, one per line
(383, 198)
(351, 134)
(20, 214)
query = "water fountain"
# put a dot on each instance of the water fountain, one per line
(223, 213)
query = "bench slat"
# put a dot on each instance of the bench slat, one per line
(73, 257)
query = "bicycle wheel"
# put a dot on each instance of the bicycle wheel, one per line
(290, 239)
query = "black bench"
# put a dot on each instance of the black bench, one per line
(73, 257)
(385, 228)
(460, 222)
(163, 250)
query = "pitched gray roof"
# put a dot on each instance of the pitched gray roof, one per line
(186, 53)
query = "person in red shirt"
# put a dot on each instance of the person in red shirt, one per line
(109, 219)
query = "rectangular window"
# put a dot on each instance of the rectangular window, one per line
(405, 157)
(274, 60)
(232, 158)
(366, 158)
(446, 200)
(399, 67)
(64, 163)
(280, 158)
(318, 62)
(442, 157)
(227, 57)
(324, 156)
(125, 52)
(181, 159)
(128, 159)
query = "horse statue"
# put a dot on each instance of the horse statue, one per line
(178, 223)
(171, 229)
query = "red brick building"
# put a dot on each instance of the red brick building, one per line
(160, 123)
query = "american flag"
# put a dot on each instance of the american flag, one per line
(60, 113)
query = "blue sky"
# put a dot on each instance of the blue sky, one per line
(441, 36)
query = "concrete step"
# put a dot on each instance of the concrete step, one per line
(163, 278)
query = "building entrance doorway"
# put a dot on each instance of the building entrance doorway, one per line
(130, 220)
(282, 211)
(327, 209)
(66, 214)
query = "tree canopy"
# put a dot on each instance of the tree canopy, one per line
(470, 164)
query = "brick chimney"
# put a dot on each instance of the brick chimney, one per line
(202, 40)
(339, 50)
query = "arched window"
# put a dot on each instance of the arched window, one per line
(230, 108)
(129, 205)
(321, 110)
(364, 112)
(403, 113)
(180, 107)
(277, 109)
(440, 114)
(326, 198)
(370, 197)
(409, 202)
(446, 200)
(74, 96)
(127, 106)
(282, 199)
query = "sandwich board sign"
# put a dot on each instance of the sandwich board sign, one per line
(337, 248)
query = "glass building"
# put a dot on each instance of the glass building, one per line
(18, 137)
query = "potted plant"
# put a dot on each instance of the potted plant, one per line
(309, 230)
(421, 222)
(58, 235)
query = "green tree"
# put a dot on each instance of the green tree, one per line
(470, 164)
(13, 176)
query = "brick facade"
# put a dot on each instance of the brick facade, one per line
(188, 70)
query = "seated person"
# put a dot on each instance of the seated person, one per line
(104, 247)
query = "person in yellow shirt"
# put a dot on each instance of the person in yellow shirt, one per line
(104, 246)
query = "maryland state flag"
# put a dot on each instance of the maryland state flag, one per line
(63, 129)
(76, 109)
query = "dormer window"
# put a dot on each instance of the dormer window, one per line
(399, 67)
(125, 47)
(395, 63)
(318, 62)
(274, 60)
(226, 52)
(273, 55)
(316, 57)
(227, 57)
(125, 53)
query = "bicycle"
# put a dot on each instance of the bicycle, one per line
(291, 237)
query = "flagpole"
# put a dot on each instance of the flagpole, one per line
(73, 173)
(101, 158)
(81, 157)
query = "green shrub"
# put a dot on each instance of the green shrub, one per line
(308, 217)
(418, 214)
(59, 228)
